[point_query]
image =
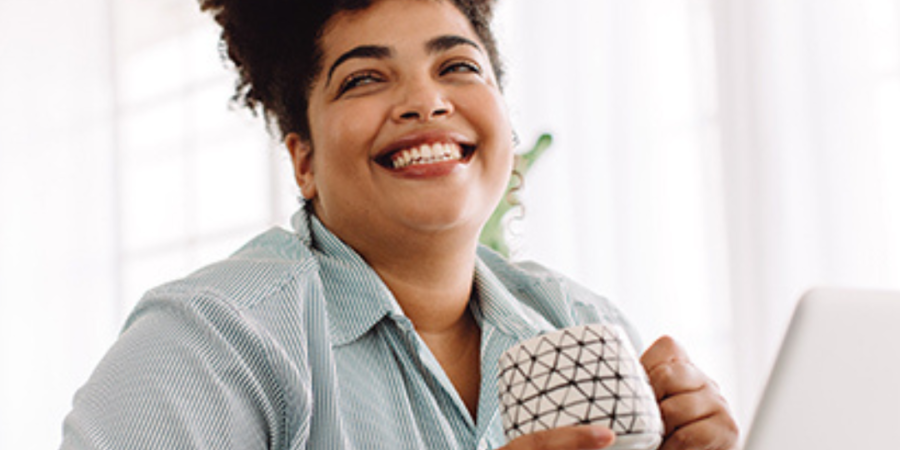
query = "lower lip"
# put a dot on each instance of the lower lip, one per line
(424, 171)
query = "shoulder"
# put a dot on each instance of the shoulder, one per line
(561, 300)
(230, 332)
(534, 283)
(266, 266)
(248, 309)
(259, 296)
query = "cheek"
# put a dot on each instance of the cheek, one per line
(495, 121)
(491, 114)
(342, 128)
(344, 133)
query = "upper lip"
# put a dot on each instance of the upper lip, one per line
(416, 139)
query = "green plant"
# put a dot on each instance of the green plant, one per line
(493, 234)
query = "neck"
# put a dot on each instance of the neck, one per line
(433, 285)
(431, 280)
(431, 276)
(430, 272)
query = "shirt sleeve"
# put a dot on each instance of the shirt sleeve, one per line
(186, 374)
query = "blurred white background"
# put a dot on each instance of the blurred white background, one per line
(712, 160)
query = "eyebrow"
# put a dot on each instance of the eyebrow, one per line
(434, 45)
(446, 42)
(364, 51)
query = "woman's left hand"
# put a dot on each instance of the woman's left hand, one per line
(695, 414)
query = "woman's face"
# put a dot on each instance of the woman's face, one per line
(409, 130)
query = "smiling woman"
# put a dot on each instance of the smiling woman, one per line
(427, 83)
(377, 322)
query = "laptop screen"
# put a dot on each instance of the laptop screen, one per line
(835, 384)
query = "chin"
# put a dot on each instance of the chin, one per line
(438, 220)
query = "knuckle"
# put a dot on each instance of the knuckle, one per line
(663, 372)
(667, 409)
(666, 341)
(539, 441)
(670, 346)
(681, 439)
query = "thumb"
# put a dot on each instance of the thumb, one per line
(579, 437)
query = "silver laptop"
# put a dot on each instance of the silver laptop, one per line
(836, 382)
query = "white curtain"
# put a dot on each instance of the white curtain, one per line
(811, 150)
(712, 159)
(629, 199)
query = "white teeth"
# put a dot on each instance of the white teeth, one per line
(427, 154)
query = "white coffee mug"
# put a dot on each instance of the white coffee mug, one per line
(579, 375)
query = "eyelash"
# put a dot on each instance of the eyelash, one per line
(468, 65)
(362, 78)
(356, 80)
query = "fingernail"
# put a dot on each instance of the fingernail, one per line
(602, 434)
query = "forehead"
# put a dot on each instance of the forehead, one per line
(393, 23)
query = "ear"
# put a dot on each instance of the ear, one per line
(302, 157)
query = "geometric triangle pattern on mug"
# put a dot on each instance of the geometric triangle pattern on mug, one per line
(580, 375)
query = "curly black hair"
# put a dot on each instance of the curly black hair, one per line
(274, 46)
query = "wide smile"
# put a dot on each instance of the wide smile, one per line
(425, 154)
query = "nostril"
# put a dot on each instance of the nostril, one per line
(415, 114)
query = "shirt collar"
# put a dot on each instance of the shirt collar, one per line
(356, 298)
(501, 309)
(504, 320)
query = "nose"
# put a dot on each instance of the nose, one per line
(422, 101)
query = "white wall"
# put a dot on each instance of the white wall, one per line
(57, 214)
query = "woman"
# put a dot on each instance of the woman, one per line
(378, 323)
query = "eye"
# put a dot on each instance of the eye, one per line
(460, 67)
(357, 80)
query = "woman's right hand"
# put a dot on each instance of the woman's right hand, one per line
(581, 437)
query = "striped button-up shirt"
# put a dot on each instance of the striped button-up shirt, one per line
(294, 342)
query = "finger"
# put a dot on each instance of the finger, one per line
(718, 432)
(676, 377)
(664, 350)
(582, 437)
(679, 411)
